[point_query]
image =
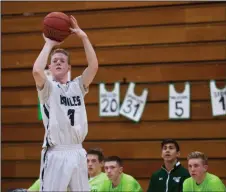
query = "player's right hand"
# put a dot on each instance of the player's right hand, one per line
(51, 42)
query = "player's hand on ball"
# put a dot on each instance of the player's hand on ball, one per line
(50, 41)
(75, 28)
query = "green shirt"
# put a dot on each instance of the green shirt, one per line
(94, 183)
(211, 183)
(97, 181)
(127, 184)
(35, 186)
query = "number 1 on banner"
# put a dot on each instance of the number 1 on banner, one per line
(218, 99)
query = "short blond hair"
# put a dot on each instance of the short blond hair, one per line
(198, 155)
(60, 50)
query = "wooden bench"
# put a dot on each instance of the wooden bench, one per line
(37, 7)
(126, 18)
(136, 168)
(139, 73)
(124, 149)
(152, 112)
(127, 55)
(124, 36)
(211, 129)
(159, 92)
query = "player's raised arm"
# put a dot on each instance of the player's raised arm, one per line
(90, 72)
(41, 62)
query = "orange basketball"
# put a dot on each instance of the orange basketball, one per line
(56, 26)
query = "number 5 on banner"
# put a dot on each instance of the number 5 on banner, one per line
(133, 105)
(109, 101)
(179, 103)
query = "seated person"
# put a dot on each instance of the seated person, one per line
(200, 179)
(118, 181)
(95, 162)
(171, 175)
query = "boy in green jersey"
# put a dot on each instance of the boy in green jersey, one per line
(172, 174)
(118, 181)
(200, 179)
(95, 163)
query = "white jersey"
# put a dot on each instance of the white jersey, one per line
(64, 113)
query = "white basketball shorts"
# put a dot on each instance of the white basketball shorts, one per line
(63, 168)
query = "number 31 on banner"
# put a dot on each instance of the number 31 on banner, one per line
(133, 105)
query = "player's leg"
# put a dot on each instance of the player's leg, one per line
(54, 176)
(79, 180)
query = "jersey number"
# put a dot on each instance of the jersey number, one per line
(129, 107)
(71, 114)
(223, 102)
(178, 108)
(112, 103)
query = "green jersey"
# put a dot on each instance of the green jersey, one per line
(97, 181)
(127, 183)
(94, 183)
(211, 183)
(35, 186)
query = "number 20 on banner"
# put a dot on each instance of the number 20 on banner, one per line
(109, 101)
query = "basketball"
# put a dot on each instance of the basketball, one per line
(56, 26)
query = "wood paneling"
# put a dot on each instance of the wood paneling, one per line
(152, 112)
(36, 7)
(136, 168)
(149, 43)
(158, 92)
(124, 36)
(125, 18)
(142, 73)
(128, 55)
(123, 149)
(119, 131)
(7, 184)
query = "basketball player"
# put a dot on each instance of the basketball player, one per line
(200, 179)
(63, 162)
(95, 163)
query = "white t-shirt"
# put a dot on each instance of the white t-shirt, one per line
(64, 113)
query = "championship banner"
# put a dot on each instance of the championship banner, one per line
(218, 99)
(109, 101)
(133, 105)
(179, 103)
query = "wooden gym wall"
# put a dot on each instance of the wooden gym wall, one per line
(150, 43)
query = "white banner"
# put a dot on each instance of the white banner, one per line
(179, 103)
(218, 99)
(133, 105)
(109, 101)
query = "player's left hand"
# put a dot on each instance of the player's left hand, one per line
(75, 28)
